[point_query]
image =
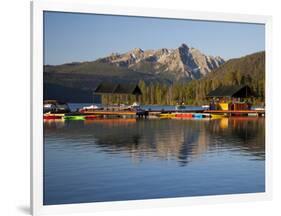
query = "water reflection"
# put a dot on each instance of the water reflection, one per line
(128, 159)
(180, 140)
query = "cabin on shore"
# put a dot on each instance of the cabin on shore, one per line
(118, 93)
(231, 98)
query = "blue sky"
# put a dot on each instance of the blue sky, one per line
(72, 37)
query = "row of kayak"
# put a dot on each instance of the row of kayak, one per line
(190, 115)
(49, 116)
(68, 117)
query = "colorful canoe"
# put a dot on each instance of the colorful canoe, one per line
(183, 115)
(192, 115)
(198, 115)
(216, 116)
(167, 115)
(77, 117)
(50, 116)
(89, 117)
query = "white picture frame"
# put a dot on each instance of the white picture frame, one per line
(37, 9)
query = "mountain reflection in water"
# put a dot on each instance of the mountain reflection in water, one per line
(188, 151)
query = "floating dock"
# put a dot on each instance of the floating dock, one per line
(159, 114)
(117, 113)
(236, 112)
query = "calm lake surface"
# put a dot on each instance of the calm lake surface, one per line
(128, 159)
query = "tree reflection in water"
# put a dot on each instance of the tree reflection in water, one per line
(162, 139)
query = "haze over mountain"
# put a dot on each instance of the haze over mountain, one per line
(180, 64)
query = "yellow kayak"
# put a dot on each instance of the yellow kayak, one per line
(217, 116)
(167, 115)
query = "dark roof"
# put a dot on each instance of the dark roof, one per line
(106, 88)
(127, 88)
(118, 88)
(231, 91)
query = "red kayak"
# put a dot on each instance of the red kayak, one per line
(47, 117)
(88, 117)
(184, 115)
(50, 116)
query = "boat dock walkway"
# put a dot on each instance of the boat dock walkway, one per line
(146, 113)
(236, 112)
(139, 114)
(102, 112)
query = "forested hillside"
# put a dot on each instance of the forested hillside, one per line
(249, 70)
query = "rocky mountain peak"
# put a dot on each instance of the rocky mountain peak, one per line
(180, 63)
(184, 46)
(137, 50)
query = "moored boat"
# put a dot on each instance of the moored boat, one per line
(49, 116)
(167, 115)
(91, 108)
(216, 116)
(201, 115)
(54, 106)
(74, 117)
(192, 115)
(205, 107)
(184, 115)
(88, 117)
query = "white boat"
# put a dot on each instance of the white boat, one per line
(180, 107)
(55, 106)
(135, 105)
(205, 106)
(259, 108)
(91, 107)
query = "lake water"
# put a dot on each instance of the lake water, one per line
(129, 159)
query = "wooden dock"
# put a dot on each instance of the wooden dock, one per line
(156, 113)
(110, 113)
(236, 112)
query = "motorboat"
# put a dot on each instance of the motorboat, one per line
(54, 106)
